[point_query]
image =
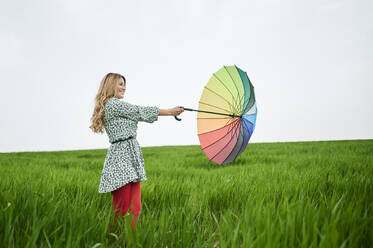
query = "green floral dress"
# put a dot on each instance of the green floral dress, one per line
(124, 161)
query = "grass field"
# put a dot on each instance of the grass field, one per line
(298, 194)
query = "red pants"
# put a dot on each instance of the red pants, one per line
(128, 196)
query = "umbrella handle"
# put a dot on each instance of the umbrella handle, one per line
(178, 119)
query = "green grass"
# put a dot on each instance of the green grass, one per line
(298, 194)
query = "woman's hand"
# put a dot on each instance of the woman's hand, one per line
(177, 110)
(172, 111)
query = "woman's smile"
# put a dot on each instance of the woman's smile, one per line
(121, 88)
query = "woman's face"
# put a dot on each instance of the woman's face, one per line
(121, 88)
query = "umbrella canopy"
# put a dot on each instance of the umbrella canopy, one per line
(226, 115)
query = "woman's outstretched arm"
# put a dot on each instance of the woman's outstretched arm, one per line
(172, 111)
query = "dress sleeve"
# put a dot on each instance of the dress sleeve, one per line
(135, 112)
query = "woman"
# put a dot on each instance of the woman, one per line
(123, 168)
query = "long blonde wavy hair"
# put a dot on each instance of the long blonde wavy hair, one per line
(108, 88)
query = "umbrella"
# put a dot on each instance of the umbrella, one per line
(226, 115)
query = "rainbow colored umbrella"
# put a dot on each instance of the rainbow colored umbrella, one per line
(226, 115)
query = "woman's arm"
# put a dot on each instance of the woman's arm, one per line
(172, 111)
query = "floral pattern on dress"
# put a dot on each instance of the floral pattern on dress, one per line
(124, 161)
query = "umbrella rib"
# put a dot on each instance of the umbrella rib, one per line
(252, 93)
(239, 151)
(245, 127)
(248, 100)
(229, 130)
(235, 131)
(229, 122)
(220, 97)
(225, 125)
(233, 104)
(214, 106)
(243, 97)
(251, 113)
(239, 95)
(226, 88)
(253, 126)
(235, 146)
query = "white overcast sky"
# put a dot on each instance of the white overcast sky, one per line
(310, 63)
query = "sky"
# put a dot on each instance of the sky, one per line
(309, 61)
